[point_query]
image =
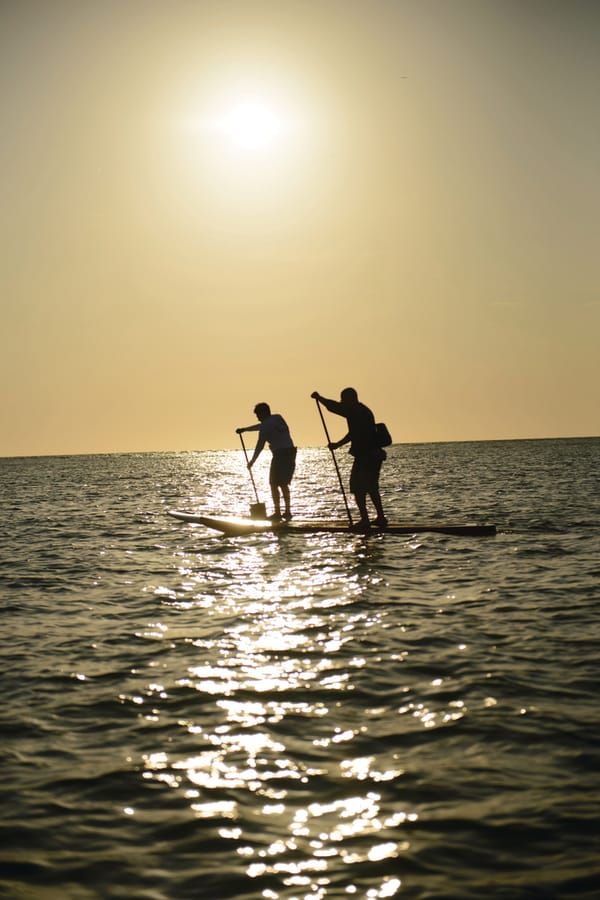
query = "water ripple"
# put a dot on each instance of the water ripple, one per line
(323, 717)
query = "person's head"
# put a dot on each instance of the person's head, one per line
(349, 396)
(261, 411)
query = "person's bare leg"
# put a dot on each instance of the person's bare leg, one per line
(361, 502)
(285, 490)
(276, 501)
(376, 498)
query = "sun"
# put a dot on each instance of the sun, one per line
(251, 125)
(244, 131)
(247, 125)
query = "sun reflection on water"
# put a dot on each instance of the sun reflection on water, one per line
(278, 652)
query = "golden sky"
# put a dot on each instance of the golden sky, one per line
(210, 203)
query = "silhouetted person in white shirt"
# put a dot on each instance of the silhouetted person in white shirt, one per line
(272, 429)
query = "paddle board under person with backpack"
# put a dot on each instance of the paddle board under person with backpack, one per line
(366, 447)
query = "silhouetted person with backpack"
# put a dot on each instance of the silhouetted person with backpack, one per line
(365, 448)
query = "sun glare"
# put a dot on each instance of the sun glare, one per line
(245, 124)
(251, 125)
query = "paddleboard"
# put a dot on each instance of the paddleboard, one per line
(237, 525)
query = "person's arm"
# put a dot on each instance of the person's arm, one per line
(262, 437)
(259, 444)
(333, 406)
(335, 444)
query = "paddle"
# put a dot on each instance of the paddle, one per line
(334, 462)
(258, 510)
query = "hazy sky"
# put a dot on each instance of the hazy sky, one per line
(209, 203)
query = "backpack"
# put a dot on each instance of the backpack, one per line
(384, 438)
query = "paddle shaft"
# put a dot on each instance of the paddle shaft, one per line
(249, 469)
(337, 469)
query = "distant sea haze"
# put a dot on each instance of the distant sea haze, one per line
(187, 715)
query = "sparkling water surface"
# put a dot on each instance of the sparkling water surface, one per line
(301, 717)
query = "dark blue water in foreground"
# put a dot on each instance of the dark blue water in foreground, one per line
(191, 716)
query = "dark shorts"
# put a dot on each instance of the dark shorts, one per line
(282, 466)
(364, 477)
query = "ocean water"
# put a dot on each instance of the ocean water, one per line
(186, 715)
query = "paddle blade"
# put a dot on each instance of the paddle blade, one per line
(258, 511)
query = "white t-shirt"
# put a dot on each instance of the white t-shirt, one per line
(274, 431)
